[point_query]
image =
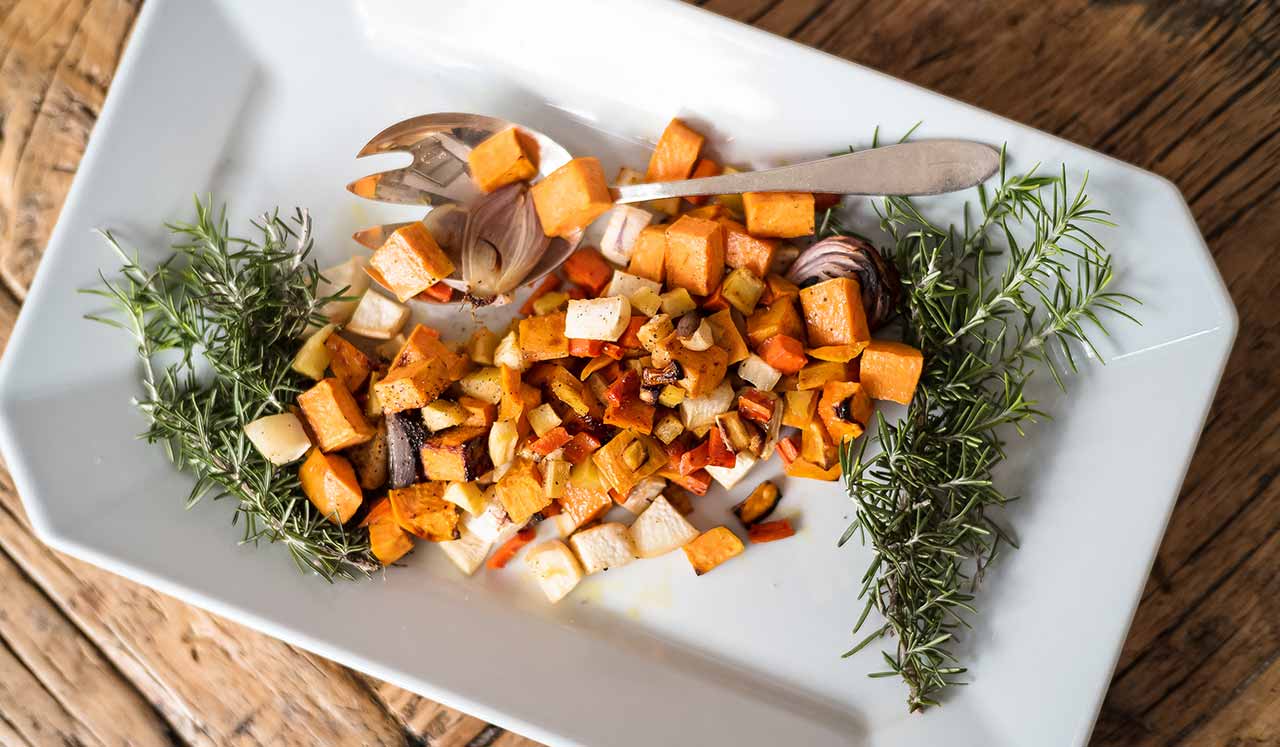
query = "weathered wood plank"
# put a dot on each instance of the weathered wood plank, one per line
(32, 712)
(215, 682)
(70, 668)
(1252, 718)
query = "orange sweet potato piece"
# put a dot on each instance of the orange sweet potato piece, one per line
(505, 157)
(778, 318)
(410, 261)
(784, 353)
(520, 491)
(571, 197)
(727, 336)
(704, 167)
(580, 447)
(588, 267)
(695, 255)
(422, 511)
(329, 482)
(349, 365)
(711, 548)
(542, 337)
(424, 344)
(741, 249)
(708, 212)
(784, 215)
(438, 293)
(675, 154)
(415, 385)
(769, 531)
(585, 348)
(703, 369)
(387, 540)
(649, 254)
(833, 313)
(479, 413)
(891, 370)
(845, 409)
(335, 418)
(583, 504)
(777, 287)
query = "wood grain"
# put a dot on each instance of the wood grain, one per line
(1187, 88)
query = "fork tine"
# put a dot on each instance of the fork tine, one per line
(400, 186)
(375, 236)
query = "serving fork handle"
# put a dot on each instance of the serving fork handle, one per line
(928, 167)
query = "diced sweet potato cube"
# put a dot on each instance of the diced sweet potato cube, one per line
(588, 267)
(778, 318)
(410, 261)
(703, 369)
(424, 344)
(891, 370)
(387, 540)
(479, 413)
(542, 337)
(711, 548)
(329, 482)
(583, 504)
(506, 157)
(704, 167)
(349, 365)
(727, 335)
(459, 454)
(571, 197)
(845, 409)
(414, 385)
(371, 459)
(649, 254)
(675, 154)
(520, 491)
(695, 255)
(742, 250)
(335, 418)
(422, 511)
(784, 215)
(833, 313)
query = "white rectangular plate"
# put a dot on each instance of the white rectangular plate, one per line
(268, 103)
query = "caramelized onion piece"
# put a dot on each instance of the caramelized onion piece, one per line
(502, 243)
(846, 256)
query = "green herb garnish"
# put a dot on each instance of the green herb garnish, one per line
(923, 498)
(238, 307)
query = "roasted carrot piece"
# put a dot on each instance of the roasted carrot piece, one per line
(626, 388)
(507, 550)
(613, 351)
(769, 531)
(784, 353)
(698, 482)
(439, 293)
(718, 453)
(716, 301)
(588, 267)
(580, 447)
(756, 406)
(551, 440)
(548, 284)
(788, 449)
(696, 458)
(631, 335)
(585, 348)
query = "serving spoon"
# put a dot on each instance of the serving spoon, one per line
(438, 175)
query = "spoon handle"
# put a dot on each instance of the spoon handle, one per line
(927, 167)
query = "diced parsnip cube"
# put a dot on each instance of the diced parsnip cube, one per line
(646, 301)
(730, 476)
(759, 373)
(554, 566)
(377, 317)
(742, 289)
(660, 529)
(668, 427)
(597, 318)
(492, 523)
(313, 357)
(482, 345)
(643, 494)
(627, 285)
(699, 413)
(443, 414)
(671, 395)
(373, 405)
(468, 495)
(604, 546)
(484, 384)
(502, 442)
(508, 353)
(279, 438)
(542, 419)
(467, 552)
(348, 279)
(555, 475)
(655, 330)
(625, 222)
(627, 176)
(598, 386)
(702, 338)
(677, 302)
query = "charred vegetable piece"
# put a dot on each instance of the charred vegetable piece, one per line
(370, 459)
(421, 510)
(756, 405)
(845, 409)
(387, 540)
(406, 435)
(460, 453)
(711, 548)
(757, 506)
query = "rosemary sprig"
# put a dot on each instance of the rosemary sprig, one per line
(923, 497)
(237, 306)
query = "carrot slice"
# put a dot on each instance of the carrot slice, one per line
(548, 284)
(696, 458)
(631, 336)
(613, 351)
(438, 292)
(588, 267)
(507, 550)
(756, 406)
(769, 531)
(585, 348)
(580, 447)
(784, 353)
(697, 483)
(788, 449)
(551, 440)
(718, 453)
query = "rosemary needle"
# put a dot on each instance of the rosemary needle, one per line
(922, 496)
(239, 306)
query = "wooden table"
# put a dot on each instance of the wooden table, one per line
(1189, 89)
